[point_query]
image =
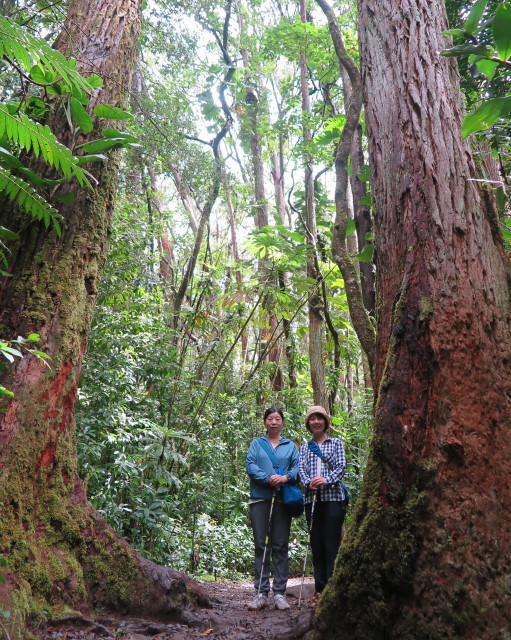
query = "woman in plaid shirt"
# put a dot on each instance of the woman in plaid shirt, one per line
(322, 464)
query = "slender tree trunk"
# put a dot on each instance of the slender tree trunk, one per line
(235, 253)
(154, 203)
(180, 294)
(363, 221)
(316, 308)
(426, 555)
(253, 102)
(58, 548)
(358, 313)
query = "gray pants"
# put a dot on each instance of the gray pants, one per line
(277, 546)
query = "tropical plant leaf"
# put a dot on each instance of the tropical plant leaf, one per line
(112, 113)
(28, 199)
(96, 157)
(80, 116)
(9, 160)
(476, 13)
(8, 234)
(18, 44)
(485, 115)
(366, 255)
(502, 30)
(39, 139)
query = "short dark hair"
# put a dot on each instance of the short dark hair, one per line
(273, 410)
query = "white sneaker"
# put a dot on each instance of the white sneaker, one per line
(260, 601)
(280, 602)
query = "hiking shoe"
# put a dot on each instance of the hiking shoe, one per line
(260, 601)
(281, 603)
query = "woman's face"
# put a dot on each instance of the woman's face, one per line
(274, 424)
(317, 424)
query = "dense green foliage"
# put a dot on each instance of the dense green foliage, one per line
(167, 412)
(173, 482)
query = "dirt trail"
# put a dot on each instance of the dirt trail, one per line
(228, 619)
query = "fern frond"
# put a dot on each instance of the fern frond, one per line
(32, 136)
(18, 44)
(28, 199)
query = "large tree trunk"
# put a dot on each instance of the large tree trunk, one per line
(427, 552)
(57, 548)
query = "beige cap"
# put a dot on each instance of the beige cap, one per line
(322, 412)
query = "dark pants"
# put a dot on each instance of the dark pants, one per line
(277, 547)
(325, 538)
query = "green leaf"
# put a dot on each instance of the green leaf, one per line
(7, 234)
(453, 32)
(98, 157)
(364, 175)
(5, 392)
(95, 81)
(366, 255)
(80, 115)
(103, 145)
(41, 354)
(485, 115)
(112, 113)
(28, 51)
(28, 199)
(15, 352)
(501, 198)
(80, 95)
(33, 337)
(351, 227)
(35, 107)
(502, 30)
(8, 159)
(37, 181)
(37, 74)
(40, 140)
(476, 13)
(487, 67)
(466, 49)
(366, 200)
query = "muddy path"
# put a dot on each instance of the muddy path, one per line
(227, 619)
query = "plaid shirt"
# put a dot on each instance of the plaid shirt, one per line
(330, 466)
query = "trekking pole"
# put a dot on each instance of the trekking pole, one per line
(266, 541)
(314, 500)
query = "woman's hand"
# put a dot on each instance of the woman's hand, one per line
(317, 482)
(277, 481)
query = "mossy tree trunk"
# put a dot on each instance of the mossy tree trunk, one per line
(427, 553)
(59, 551)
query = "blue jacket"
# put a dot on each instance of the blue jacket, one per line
(259, 467)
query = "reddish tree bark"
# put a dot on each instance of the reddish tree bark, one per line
(58, 549)
(426, 555)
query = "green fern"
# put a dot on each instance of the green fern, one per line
(32, 136)
(18, 44)
(28, 199)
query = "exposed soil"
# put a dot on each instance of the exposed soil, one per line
(227, 619)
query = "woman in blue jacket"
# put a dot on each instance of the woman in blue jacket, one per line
(264, 484)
